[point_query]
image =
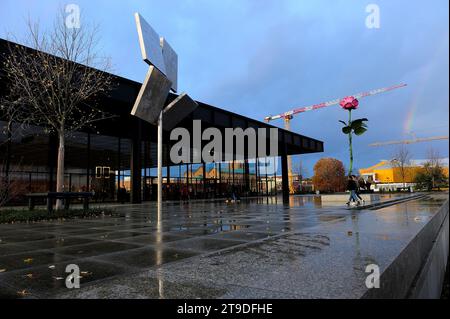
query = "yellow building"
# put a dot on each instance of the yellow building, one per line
(386, 175)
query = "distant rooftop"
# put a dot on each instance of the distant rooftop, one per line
(387, 164)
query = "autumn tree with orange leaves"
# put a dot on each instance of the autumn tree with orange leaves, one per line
(329, 175)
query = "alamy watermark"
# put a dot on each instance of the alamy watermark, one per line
(373, 19)
(261, 143)
(73, 279)
(73, 16)
(373, 280)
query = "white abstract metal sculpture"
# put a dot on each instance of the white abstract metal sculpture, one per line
(162, 76)
(150, 43)
(177, 110)
(152, 96)
(170, 58)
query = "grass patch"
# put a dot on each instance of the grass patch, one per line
(8, 216)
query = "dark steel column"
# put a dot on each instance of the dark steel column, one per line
(168, 187)
(168, 174)
(246, 176)
(88, 168)
(258, 178)
(136, 165)
(187, 176)
(220, 180)
(267, 181)
(204, 179)
(275, 179)
(285, 176)
(232, 165)
(215, 180)
(118, 169)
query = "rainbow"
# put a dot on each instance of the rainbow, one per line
(425, 76)
(409, 119)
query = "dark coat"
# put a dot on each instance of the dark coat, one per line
(351, 185)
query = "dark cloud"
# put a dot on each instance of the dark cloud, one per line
(266, 57)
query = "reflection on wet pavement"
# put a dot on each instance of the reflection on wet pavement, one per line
(258, 248)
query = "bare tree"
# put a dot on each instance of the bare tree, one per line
(56, 83)
(433, 157)
(432, 175)
(433, 167)
(402, 160)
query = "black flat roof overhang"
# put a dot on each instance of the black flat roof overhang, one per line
(120, 100)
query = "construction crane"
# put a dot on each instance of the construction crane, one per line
(411, 141)
(288, 116)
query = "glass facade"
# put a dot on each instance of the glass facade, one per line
(116, 159)
(103, 164)
(93, 162)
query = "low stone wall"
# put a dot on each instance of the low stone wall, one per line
(342, 198)
(429, 282)
(419, 270)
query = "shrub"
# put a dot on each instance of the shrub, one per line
(16, 216)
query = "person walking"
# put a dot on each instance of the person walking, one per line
(358, 189)
(351, 187)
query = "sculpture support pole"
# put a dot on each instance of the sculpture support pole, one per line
(160, 159)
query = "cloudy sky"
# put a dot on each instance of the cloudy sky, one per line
(261, 57)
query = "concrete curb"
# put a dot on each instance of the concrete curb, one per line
(390, 202)
(412, 274)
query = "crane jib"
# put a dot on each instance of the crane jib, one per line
(333, 102)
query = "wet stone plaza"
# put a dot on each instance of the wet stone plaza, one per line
(258, 248)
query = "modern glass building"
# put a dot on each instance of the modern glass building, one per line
(117, 159)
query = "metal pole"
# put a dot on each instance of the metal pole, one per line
(160, 158)
(160, 180)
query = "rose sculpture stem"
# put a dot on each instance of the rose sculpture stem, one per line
(350, 137)
(357, 126)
